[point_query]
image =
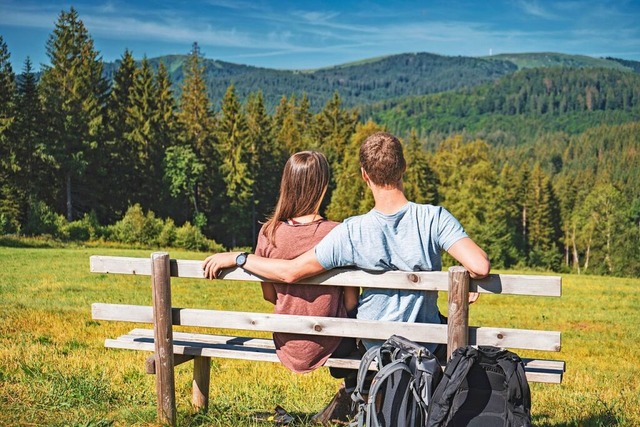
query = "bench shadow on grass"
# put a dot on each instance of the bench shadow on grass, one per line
(598, 420)
(300, 419)
(257, 419)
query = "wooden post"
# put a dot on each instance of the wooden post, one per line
(163, 337)
(458, 323)
(201, 375)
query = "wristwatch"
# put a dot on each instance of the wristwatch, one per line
(241, 259)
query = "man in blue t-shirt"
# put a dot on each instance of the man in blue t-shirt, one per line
(395, 235)
(409, 239)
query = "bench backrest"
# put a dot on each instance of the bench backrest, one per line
(455, 333)
(456, 282)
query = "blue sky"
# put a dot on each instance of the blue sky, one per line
(314, 34)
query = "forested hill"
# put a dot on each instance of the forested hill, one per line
(553, 59)
(521, 106)
(372, 80)
(358, 83)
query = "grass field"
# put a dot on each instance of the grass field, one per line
(54, 370)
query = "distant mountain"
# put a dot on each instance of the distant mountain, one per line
(524, 104)
(552, 59)
(373, 80)
(634, 65)
(358, 83)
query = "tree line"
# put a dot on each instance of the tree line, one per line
(129, 151)
(394, 76)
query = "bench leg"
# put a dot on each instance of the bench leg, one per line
(201, 376)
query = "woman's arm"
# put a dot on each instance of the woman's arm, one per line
(269, 292)
(351, 295)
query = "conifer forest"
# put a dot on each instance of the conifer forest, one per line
(541, 165)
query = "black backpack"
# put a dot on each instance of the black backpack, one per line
(484, 386)
(400, 391)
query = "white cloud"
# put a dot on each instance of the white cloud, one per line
(532, 7)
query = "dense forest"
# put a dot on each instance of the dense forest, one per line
(378, 79)
(539, 164)
(389, 77)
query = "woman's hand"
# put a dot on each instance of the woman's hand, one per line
(216, 262)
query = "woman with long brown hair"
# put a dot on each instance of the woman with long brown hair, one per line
(295, 227)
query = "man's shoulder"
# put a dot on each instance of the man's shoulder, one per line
(427, 210)
(357, 220)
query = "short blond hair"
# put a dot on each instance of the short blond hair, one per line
(382, 159)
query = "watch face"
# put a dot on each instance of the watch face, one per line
(241, 259)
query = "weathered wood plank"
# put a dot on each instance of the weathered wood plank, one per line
(429, 281)
(458, 306)
(312, 325)
(150, 362)
(200, 383)
(220, 346)
(163, 333)
(206, 338)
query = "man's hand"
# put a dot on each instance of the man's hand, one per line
(216, 262)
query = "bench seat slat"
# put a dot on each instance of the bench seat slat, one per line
(429, 281)
(268, 344)
(256, 349)
(313, 325)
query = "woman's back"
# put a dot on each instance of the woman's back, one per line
(302, 353)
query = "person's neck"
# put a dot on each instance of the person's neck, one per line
(388, 200)
(305, 219)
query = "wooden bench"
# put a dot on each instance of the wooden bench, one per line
(173, 348)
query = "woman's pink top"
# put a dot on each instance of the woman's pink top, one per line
(302, 353)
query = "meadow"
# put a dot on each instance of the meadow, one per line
(54, 370)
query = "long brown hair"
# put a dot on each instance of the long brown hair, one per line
(304, 182)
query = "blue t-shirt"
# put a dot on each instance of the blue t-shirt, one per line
(408, 240)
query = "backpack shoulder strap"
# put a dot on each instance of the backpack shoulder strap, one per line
(519, 394)
(456, 371)
(365, 362)
(379, 381)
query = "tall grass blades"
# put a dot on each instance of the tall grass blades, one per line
(55, 371)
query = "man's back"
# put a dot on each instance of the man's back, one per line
(409, 240)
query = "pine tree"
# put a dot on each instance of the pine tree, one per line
(119, 172)
(35, 167)
(140, 136)
(266, 162)
(543, 221)
(235, 152)
(287, 130)
(196, 126)
(195, 112)
(164, 130)
(512, 184)
(9, 197)
(332, 129)
(351, 196)
(74, 94)
(420, 183)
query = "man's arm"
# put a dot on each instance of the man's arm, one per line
(279, 270)
(472, 257)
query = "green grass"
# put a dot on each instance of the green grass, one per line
(55, 371)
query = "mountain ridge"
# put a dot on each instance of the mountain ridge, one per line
(372, 80)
